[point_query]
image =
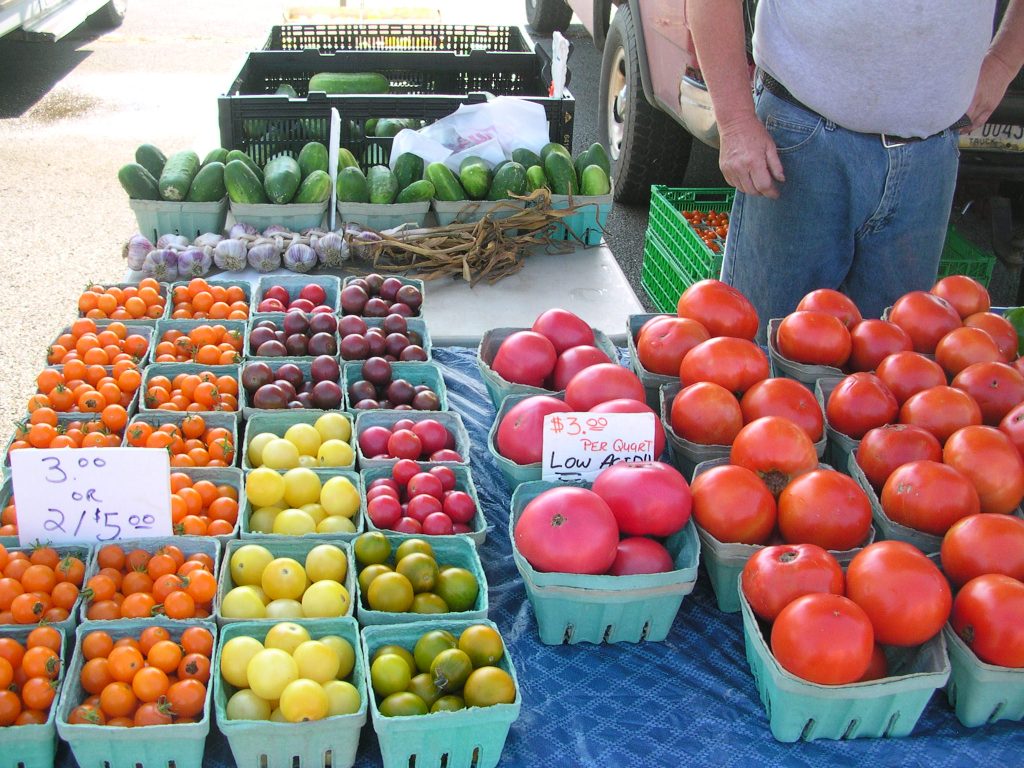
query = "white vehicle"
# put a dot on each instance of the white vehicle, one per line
(50, 20)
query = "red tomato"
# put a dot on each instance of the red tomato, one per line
(707, 414)
(826, 508)
(1012, 426)
(997, 388)
(860, 402)
(941, 410)
(884, 448)
(563, 329)
(736, 364)
(518, 437)
(928, 496)
(982, 544)
(574, 360)
(813, 338)
(871, 341)
(648, 498)
(925, 317)
(776, 449)
(991, 462)
(525, 357)
(965, 294)
(625, 405)
(988, 615)
(775, 576)
(964, 346)
(787, 398)
(662, 347)
(834, 303)
(733, 505)
(720, 308)
(600, 383)
(878, 668)
(638, 554)
(567, 530)
(907, 373)
(823, 638)
(903, 593)
(1000, 329)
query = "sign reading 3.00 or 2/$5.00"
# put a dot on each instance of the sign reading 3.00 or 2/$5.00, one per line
(91, 494)
(579, 446)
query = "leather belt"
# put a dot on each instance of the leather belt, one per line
(889, 141)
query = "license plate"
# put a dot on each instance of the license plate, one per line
(1005, 138)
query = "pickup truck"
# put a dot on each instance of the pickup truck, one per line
(50, 20)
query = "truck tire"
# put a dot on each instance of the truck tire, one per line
(109, 16)
(646, 146)
(547, 16)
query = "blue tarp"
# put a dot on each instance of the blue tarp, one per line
(688, 701)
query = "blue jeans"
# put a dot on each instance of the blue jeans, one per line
(852, 215)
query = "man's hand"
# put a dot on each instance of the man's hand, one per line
(993, 81)
(749, 159)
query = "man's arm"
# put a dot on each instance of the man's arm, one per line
(748, 157)
(1001, 64)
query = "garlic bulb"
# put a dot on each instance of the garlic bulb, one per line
(230, 255)
(264, 257)
(299, 258)
(331, 249)
(135, 251)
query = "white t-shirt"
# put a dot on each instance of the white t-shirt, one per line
(903, 67)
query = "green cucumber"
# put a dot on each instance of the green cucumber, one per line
(417, 192)
(598, 156)
(559, 169)
(150, 158)
(313, 157)
(287, 89)
(138, 182)
(499, 166)
(535, 179)
(348, 82)
(526, 157)
(242, 184)
(281, 179)
(237, 154)
(475, 177)
(594, 181)
(509, 180)
(315, 188)
(352, 186)
(408, 168)
(370, 126)
(218, 155)
(389, 126)
(346, 159)
(382, 184)
(176, 178)
(208, 185)
(553, 146)
(446, 187)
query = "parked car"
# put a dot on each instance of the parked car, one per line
(50, 20)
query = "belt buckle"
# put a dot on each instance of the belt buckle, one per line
(892, 142)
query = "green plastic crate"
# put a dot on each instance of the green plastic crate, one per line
(666, 223)
(34, 745)
(245, 510)
(474, 736)
(576, 608)
(662, 276)
(278, 422)
(962, 257)
(981, 693)
(154, 746)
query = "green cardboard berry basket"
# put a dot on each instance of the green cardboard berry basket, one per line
(63, 419)
(241, 327)
(807, 375)
(448, 550)
(328, 743)
(295, 283)
(189, 545)
(474, 736)
(278, 319)
(451, 420)
(379, 217)
(513, 473)
(497, 386)
(6, 492)
(840, 447)
(981, 693)
(586, 224)
(152, 746)
(724, 561)
(278, 422)
(156, 418)
(305, 365)
(164, 217)
(132, 407)
(135, 327)
(576, 608)
(246, 509)
(294, 216)
(164, 290)
(222, 279)
(34, 745)
(295, 547)
(799, 710)
(220, 476)
(470, 211)
(463, 482)
(83, 552)
(417, 324)
(414, 373)
(414, 281)
(170, 370)
(652, 381)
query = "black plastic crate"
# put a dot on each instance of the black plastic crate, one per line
(424, 85)
(458, 38)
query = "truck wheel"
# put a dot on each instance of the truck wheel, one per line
(646, 146)
(547, 16)
(110, 15)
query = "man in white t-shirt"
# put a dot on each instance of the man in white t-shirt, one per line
(845, 159)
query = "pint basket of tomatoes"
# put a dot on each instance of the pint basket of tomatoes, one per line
(659, 368)
(29, 709)
(123, 672)
(9, 515)
(42, 584)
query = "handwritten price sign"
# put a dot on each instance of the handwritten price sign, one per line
(91, 494)
(578, 446)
